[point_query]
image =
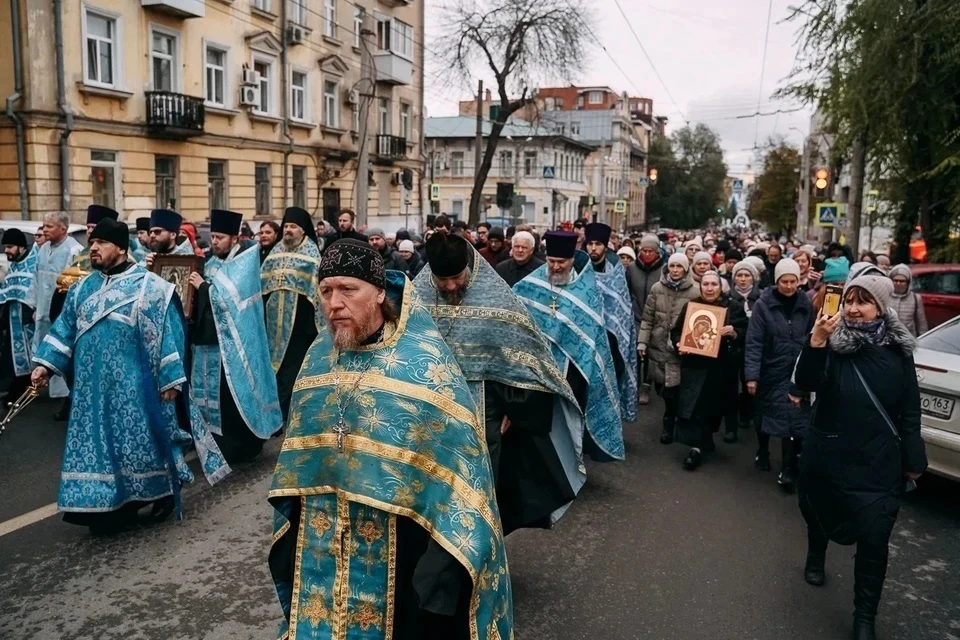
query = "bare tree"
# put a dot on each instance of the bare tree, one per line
(522, 43)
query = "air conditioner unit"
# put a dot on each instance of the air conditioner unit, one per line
(295, 35)
(352, 96)
(250, 77)
(250, 96)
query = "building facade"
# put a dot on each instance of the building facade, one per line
(251, 105)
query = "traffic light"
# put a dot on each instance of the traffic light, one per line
(821, 183)
(653, 175)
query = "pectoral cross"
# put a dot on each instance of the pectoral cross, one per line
(553, 307)
(341, 429)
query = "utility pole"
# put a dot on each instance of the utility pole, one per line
(433, 172)
(367, 86)
(602, 214)
(858, 163)
(477, 152)
(803, 215)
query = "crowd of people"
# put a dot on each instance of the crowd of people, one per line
(435, 393)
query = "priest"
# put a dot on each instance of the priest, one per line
(232, 384)
(17, 305)
(533, 425)
(164, 236)
(386, 525)
(120, 338)
(617, 314)
(288, 281)
(565, 302)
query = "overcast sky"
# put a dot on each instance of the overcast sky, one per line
(708, 53)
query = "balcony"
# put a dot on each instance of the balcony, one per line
(174, 116)
(177, 8)
(390, 148)
(392, 69)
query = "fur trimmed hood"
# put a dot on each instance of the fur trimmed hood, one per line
(847, 342)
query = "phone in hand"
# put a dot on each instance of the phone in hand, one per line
(831, 301)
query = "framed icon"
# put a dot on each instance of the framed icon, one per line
(701, 329)
(176, 270)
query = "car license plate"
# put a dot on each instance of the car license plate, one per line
(936, 406)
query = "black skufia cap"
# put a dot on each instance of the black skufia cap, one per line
(447, 254)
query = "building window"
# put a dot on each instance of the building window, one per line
(529, 163)
(217, 184)
(575, 128)
(596, 97)
(357, 25)
(298, 95)
(163, 60)
(261, 181)
(385, 116)
(456, 164)
(298, 12)
(265, 69)
(101, 53)
(395, 36)
(165, 168)
(330, 18)
(506, 163)
(331, 105)
(405, 120)
(456, 209)
(263, 5)
(300, 187)
(216, 78)
(103, 173)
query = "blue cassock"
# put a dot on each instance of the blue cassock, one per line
(19, 286)
(242, 349)
(284, 276)
(578, 337)
(121, 340)
(618, 319)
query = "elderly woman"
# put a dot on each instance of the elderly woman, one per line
(692, 248)
(660, 312)
(781, 321)
(745, 293)
(906, 303)
(708, 386)
(865, 444)
(701, 263)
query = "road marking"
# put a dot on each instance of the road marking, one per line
(50, 510)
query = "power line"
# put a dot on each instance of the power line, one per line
(763, 68)
(609, 55)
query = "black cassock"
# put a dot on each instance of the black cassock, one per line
(303, 334)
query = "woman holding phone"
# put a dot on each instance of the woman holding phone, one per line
(865, 441)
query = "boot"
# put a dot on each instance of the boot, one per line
(643, 396)
(814, 572)
(869, 575)
(669, 424)
(787, 479)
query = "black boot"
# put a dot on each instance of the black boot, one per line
(669, 424)
(869, 575)
(787, 479)
(814, 572)
(693, 460)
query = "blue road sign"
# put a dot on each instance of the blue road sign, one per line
(828, 213)
(549, 171)
(737, 185)
(644, 182)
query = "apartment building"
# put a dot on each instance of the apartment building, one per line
(251, 105)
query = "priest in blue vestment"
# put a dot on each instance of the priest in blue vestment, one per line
(232, 384)
(289, 285)
(386, 526)
(17, 305)
(617, 314)
(533, 425)
(565, 302)
(120, 340)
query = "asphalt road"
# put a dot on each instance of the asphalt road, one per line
(647, 551)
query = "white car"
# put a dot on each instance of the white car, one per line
(938, 373)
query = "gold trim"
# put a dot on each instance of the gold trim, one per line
(279, 534)
(295, 598)
(472, 312)
(341, 583)
(296, 255)
(391, 572)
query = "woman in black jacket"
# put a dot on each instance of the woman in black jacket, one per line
(865, 440)
(708, 386)
(745, 292)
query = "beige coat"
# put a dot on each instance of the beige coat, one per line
(660, 312)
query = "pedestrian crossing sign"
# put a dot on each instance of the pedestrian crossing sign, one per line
(620, 206)
(828, 213)
(549, 172)
(434, 193)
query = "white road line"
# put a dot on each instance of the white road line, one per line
(50, 510)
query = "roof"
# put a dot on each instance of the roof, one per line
(466, 127)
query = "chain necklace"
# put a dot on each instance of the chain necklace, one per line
(342, 429)
(448, 322)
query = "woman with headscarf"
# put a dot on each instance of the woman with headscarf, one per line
(701, 263)
(907, 304)
(745, 293)
(708, 386)
(865, 444)
(660, 312)
(781, 321)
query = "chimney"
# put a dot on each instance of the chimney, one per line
(487, 96)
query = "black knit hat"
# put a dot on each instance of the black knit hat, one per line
(447, 255)
(14, 237)
(96, 213)
(143, 224)
(223, 221)
(351, 258)
(496, 233)
(302, 219)
(732, 254)
(113, 232)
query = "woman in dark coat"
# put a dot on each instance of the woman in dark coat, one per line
(858, 455)
(781, 321)
(745, 291)
(708, 386)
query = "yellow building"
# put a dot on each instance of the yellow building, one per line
(250, 105)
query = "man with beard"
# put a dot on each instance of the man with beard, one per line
(617, 315)
(522, 261)
(566, 304)
(495, 252)
(288, 281)
(382, 493)
(391, 258)
(120, 336)
(233, 385)
(345, 227)
(268, 238)
(164, 234)
(533, 425)
(81, 263)
(641, 276)
(17, 304)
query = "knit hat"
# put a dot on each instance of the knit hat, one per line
(112, 231)
(863, 268)
(495, 233)
(650, 241)
(696, 242)
(14, 237)
(743, 265)
(899, 270)
(353, 259)
(836, 270)
(702, 255)
(879, 287)
(786, 267)
(627, 251)
(376, 232)
(681, 259)
(732, 254)
(406, 245)
(757, 263)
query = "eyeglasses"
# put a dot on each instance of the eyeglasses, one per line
(155, 232)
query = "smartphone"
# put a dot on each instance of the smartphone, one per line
(831, 302)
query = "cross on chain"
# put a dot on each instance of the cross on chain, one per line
(342, 429)
(553, 306)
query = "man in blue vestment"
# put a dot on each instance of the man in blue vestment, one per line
(289, 286)
(17, 305)
(617, 314)
(533, 425)
(232, 384)
(120, 339)
(565, 302)
(386, 526)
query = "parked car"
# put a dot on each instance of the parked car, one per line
(938, 374)
(939, 287)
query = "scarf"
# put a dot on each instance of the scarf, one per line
(672, 284)
(745, 292)
(874, 331)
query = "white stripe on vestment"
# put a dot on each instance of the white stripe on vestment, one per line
(59, 346)
(543, 284)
